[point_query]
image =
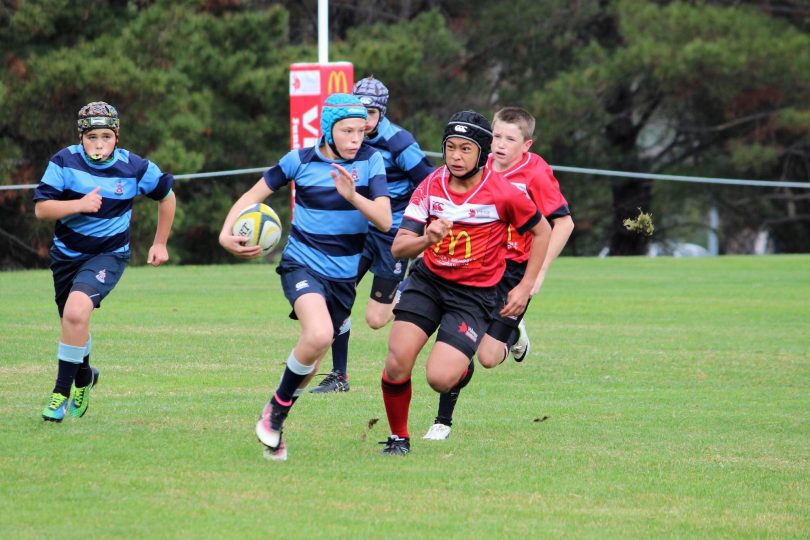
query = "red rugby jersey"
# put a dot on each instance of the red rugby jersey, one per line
(534, 177)
(473, 253)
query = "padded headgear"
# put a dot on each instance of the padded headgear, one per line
(98, 115)
(474, 127)
(338, 107)
(372, 93)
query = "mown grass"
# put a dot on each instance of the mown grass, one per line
(676, 393)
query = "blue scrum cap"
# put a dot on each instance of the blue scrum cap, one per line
(338, 107)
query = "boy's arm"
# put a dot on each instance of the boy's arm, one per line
(518, 298)
(409, 243)
(54, 209)
(377, 211)
(159, 253)
(234, 244)
(563, 227)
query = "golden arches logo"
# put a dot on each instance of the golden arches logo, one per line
(451, 247)
(337, 82)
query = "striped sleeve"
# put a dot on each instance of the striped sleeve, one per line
(154, 183)
(279, 175)
(377, 180)
(52, 183)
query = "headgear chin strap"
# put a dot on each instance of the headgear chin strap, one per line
(475, 128)
(470, 174)
(334, 149)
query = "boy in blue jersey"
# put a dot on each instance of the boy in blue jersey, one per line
(405, 166)
(340, 187)
(88, 189)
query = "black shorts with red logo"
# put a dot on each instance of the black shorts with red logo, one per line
(461, 313)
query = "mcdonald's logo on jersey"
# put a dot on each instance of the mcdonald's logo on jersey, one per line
(451, 246)
(337, 82)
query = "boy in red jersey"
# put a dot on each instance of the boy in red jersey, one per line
(458, 216)
(512, 137)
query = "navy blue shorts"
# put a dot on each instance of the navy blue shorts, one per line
(461, 313)
(95, 275)
(383, 264)
(297, 280)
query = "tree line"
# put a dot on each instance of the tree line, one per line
(707, 88)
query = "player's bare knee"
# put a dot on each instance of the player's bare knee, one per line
(76, 315)
(396, 373)
(319, 339)
(397, 366)
(376, 321)
(441, 385)
(489, 360)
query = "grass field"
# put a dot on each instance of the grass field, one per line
(677, 393)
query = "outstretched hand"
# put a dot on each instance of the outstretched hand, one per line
(344, 183)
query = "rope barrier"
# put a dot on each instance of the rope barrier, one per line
(556, 168)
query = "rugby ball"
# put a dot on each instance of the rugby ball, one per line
(261, 225)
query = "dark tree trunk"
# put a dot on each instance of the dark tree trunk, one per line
(628, 197)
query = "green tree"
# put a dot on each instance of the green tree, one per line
(691, 89)
(196, 90)
(414, 58)
(712, 88)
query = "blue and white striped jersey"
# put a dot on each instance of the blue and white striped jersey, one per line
(405, 165)
(71, 175)
(327, 233)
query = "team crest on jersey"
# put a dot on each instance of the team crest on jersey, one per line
(355, 174)
(102, 275)
(119, 188)
(398, 268)
(464, 328)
